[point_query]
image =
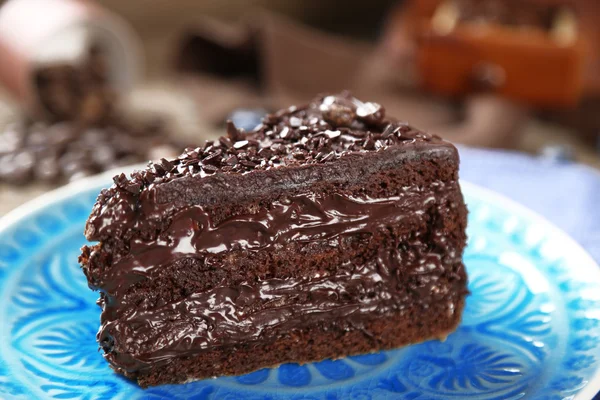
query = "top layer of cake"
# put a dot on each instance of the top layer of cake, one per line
(321, 131)
(329, 128)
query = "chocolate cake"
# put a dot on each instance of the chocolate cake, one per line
(327, 231)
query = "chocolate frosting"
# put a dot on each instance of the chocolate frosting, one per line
(136, 338)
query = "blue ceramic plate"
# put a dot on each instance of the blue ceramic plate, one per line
(531, 328)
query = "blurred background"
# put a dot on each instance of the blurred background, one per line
(89, 86)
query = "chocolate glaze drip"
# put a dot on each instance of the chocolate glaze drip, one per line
(301, 218)
(135, 339)
(229, 316)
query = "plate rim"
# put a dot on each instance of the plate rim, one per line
(61, 193)
(593, 386)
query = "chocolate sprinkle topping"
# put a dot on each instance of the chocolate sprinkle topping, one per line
(324, 130)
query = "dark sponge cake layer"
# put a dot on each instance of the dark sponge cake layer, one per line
(314, 343)
(337, 224)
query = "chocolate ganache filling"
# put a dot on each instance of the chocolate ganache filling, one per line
(253, 311)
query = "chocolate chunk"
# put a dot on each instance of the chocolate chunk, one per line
(299, 155)
(231, 160)
(133, 187)
(120, 180)
(240, 144)
(371, 113)
(248, 163)
(295, 122)
(167, 165)
(209, 169)
(213, 159)
(332, 134)
(234, 133)
(337, 112)
(328, 157)
(225, 142)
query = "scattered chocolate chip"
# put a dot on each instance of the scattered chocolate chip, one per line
(46, 169)
(225, 141)
(233, 133)
(388, 131)
(328, 157)
(133, 187)
(10, 141)
(209, 169)
(299, 155)
(371, 113)
(214, 158)
(166, 164)
(338, 115)
(332, 134)
(240, 144)
(265, 153)
(15, 168)
(231, 160)
(278, 148)
(120, 180)
(186, 153)
(295, 122)
(249, 164)
(158, 170)
(103, 155)
(284, 132)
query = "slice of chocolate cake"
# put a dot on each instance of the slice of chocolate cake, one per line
(327, 231)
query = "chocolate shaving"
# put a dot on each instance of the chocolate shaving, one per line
(324, 130)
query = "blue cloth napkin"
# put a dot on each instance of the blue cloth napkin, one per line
(567, 194)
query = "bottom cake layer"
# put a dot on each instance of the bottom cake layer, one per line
(312, 344)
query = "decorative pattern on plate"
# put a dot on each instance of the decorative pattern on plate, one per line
(530, 328)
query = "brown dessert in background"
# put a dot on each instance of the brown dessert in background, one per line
(76, 93)
(78, 129)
